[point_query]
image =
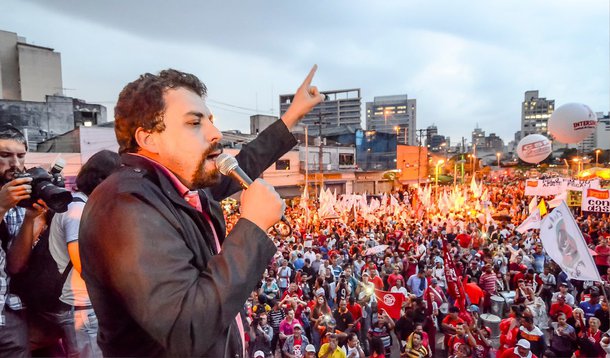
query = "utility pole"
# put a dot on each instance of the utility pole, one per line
(321, 152)
(420, 132)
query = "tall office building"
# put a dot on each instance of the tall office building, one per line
(535, 114)
(478, 137)
(602, 132)
(431, 131)
(393, 115)
(28, 72)
(340, 109)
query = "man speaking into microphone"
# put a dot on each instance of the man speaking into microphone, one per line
(163, 278)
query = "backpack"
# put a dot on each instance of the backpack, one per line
(40, 285)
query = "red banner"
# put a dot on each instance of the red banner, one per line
(390, 302)
(455, 288)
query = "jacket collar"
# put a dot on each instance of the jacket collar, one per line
(156, 174)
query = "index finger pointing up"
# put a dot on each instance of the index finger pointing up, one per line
(309, 77)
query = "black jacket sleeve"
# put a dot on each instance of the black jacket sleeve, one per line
(256, 156)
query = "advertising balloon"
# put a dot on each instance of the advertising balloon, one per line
(572, 122)
(534, 148)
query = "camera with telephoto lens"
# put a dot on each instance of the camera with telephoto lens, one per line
(48, 186)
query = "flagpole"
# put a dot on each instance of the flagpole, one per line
(306, 196)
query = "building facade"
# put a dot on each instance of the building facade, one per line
(602, 132)
(56, 115)
(393, 115)
(478, 137)
(375, 151)
(535, 114)
(259, 122)
(28, 72)
(340, 109)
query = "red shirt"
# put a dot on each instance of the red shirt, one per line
(557, 308)
(356, 311)
(392, 278)
(474, 292)
(452, 322)
(510, 353)
(603, 252)
(378, 282)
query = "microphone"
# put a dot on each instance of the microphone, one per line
(228, 165)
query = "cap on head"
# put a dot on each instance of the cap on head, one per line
(524, 343)
(310, 348)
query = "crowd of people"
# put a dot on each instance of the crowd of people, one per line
(163, 279)
(318, 294)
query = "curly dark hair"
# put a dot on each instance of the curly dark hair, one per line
(141, 104)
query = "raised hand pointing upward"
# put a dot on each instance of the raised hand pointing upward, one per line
(306, 97)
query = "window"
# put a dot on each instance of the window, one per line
(346, 159)
(282, 164)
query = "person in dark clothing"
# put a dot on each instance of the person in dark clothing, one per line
(343, 316)
(165, 281)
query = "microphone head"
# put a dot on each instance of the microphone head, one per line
(226, 163)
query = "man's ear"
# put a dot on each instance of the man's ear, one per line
(146, 140)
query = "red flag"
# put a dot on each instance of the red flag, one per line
(455, 288)
(390, 302)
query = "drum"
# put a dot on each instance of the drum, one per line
(497, 305)
(493, 322)
(509, 297)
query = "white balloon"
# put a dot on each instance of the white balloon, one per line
(534, 148)
(572, 122)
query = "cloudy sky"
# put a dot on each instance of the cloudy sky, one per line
(466, 62)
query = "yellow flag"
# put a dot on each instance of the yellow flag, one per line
(542, 207)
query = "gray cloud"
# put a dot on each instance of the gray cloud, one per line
(466, 62)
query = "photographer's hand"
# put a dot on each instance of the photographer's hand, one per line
(33, 224)
(13, 192)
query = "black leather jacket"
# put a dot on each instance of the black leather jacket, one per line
(149, 260)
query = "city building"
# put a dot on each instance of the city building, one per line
(28, 72)
(535, 114)
(56, 115)
(602, 132)
(494, 143)
(393, 115)
(259, 122)
(341, 109)
(438, 143)
(478, 137)
(412, 161)
(430, 132)
(375, 151)
(599, 139)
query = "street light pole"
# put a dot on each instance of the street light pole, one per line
(597, 157)
(498, 155)
(440, 162)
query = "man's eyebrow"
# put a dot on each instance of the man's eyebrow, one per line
(195, 114)
(9, 152)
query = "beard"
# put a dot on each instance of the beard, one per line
(9, 175)
(205, 178)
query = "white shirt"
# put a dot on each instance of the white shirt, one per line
(64, 230)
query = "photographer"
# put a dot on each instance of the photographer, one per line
(261, 334)
(19, 230)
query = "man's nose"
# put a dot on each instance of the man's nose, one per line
(14, 161)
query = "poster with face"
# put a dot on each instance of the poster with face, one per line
(563, 241)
